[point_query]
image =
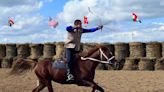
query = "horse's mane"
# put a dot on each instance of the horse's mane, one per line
(91, 51)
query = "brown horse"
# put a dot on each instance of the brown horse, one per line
(84, 69)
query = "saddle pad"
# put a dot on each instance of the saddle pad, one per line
(59, 64)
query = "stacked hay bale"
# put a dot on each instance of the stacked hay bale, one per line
(131, 64)
(162, 49)
(48, 50)
(23, 50)
(0, 63)
(137, 49)
(153, 49)
(11, 53)
(36, 51)
(121, 52)
(159, 64)
(2, 52)
(11, 50)
(60, 51)
(7, 62)
(147, 63)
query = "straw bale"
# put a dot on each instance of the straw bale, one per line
(23, 50)
(146, 63)
(153, 49)
(131, 64)
(36, 51)
(60, 51)
(48, 50)
(121, 51)
(159, 64)
(6, 62)
(137, 49)
(2, 51)
(11, 50)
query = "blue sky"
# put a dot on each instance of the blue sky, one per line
(52, 8)
(31, 20)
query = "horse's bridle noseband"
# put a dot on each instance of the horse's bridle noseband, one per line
(108, 59)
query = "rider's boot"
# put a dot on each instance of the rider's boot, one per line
(70, 76)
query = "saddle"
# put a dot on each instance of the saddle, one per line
(59, 64)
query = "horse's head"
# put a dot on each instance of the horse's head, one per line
(102, 54)
(106, 56)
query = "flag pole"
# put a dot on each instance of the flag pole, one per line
(132, 36)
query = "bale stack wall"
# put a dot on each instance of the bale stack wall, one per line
(135, 50)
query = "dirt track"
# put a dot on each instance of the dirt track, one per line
(111, 81)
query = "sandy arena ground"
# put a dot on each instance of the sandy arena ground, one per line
(111, 81)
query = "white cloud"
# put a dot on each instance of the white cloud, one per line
(116, 13)
(112, 10)
(30, 26)
(20, 8)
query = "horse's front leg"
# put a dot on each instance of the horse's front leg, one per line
(91, 84)
(97, 87)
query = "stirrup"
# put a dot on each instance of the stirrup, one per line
(70, 77)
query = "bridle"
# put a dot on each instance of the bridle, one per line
(102, 54)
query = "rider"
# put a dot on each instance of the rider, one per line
(72, 43)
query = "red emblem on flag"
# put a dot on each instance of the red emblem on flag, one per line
(85, 20)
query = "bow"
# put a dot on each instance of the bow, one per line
(99, 18)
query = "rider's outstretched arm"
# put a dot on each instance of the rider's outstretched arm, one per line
(70, 29)
(90, 30)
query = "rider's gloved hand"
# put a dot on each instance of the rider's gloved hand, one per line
(100, 27)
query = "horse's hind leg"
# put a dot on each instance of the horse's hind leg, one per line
(49, 85)
(39, 87)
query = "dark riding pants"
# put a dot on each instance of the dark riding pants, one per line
(70, 57)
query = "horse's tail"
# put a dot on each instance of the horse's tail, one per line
(23, 65)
